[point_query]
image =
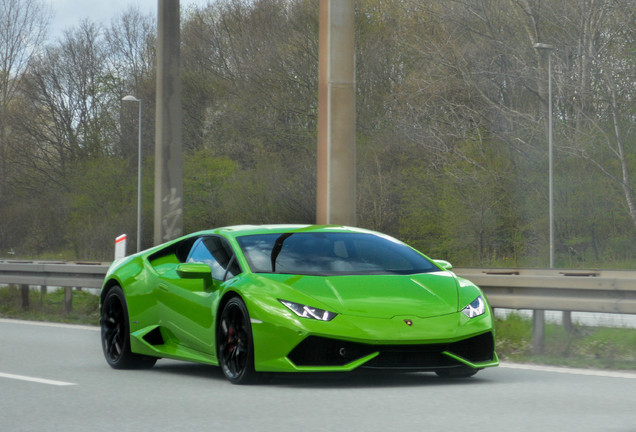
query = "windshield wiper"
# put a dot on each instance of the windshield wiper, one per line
(278, 245)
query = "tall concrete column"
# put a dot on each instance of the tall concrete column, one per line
(336, 189)
(168, 135)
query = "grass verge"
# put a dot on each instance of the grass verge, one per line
(50, 306)
(583, 347)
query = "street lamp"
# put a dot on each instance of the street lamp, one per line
(538, 316)
(549, 49)
(131, 98)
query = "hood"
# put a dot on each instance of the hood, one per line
(380, 296)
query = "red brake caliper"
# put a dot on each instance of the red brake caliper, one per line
(230, 342)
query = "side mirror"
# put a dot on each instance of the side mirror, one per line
(443, 264)
(194, 271)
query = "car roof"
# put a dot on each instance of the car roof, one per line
(241, 230)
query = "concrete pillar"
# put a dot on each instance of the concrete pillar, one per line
(336, 189)
(168, 134)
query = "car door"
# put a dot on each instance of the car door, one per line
(188, 300)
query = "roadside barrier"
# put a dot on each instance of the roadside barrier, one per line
(533, 289)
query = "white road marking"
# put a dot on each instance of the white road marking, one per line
(35, 380)
(571, 371)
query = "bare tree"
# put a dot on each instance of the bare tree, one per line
(131, 39)
(70, 107)
(611, 55)
(23, 25)
(130, 42)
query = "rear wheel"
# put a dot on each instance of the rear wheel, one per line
(234, 343)
(116, 334)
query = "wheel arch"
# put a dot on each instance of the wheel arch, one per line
(224, 299)
(106, 287)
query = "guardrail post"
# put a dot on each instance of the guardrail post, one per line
(567, 321)
(538, 331)
(68, 300)
(24, 289)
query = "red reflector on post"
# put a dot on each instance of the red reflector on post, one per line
(120, 246)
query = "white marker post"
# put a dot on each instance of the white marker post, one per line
(120, 247)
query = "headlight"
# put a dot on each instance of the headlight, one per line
(309, 312)
(476, 308)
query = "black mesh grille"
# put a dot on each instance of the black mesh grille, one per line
(319, 351)
(411, 357)
(475, 349)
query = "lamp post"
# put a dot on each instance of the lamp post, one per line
(549, 49)
(131, 98)
(538, 316)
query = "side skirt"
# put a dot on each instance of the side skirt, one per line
(148, 341)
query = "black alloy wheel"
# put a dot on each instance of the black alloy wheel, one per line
(115, 332)
(234, 343)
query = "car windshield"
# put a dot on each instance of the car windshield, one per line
(320, 253)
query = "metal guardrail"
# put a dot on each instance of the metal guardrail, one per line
(535, 289)
(557, 290)
(54, 274)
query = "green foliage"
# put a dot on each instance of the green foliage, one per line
(103, 205)
(513, 336)
(205, 182)
(451, 107)
(50, 306)
(601, 347)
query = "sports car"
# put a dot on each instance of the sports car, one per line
(294, 298)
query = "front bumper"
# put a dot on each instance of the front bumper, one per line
(315, 351)
(347, 343)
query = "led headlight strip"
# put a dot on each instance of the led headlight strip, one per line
(305, 311)
(476, 308)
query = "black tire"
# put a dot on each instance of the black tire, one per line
(116, 334)
(235, 347)
(458, 372)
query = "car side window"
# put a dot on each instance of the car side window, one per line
(217, 253)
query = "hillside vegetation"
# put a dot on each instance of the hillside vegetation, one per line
(451, 126)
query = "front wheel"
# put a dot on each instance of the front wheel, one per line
(234, 343)
(116, 334)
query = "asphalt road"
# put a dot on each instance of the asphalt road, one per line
(54, 378)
